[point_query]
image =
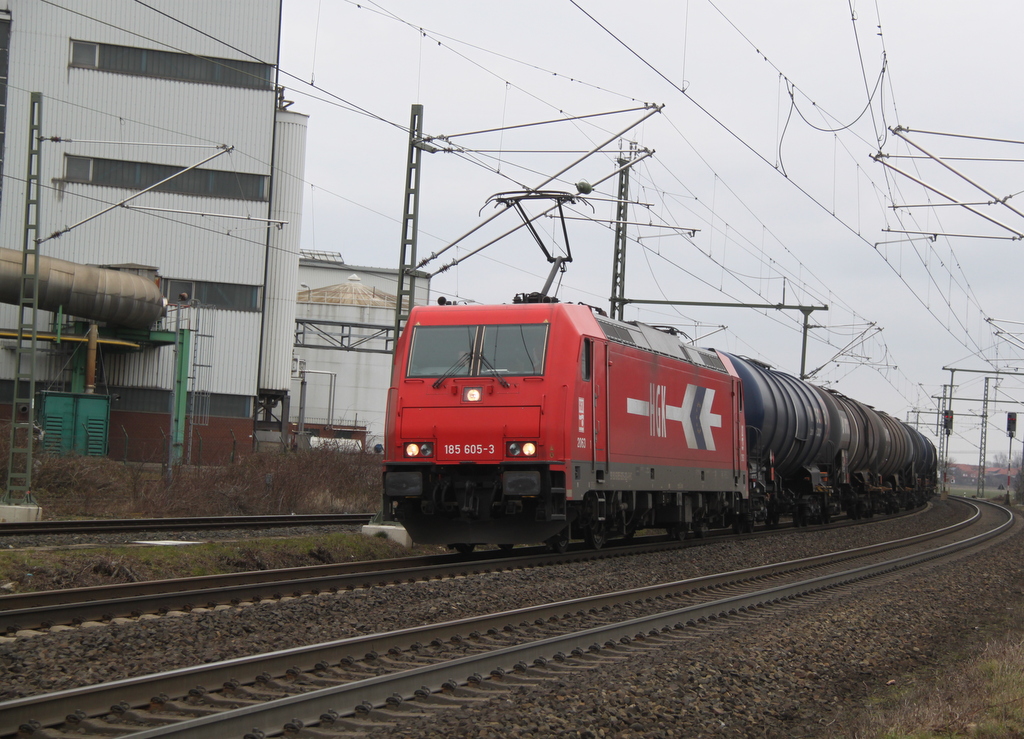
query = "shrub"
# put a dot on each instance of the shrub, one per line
(314, 481)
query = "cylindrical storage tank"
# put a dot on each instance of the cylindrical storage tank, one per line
(790, 417)
(282, 276)
(901, 450)
(84, 291)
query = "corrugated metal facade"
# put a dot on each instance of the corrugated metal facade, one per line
(133, 118)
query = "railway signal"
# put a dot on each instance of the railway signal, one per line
(947, 421)
(1011, 424)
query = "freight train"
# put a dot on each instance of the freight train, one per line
(544, 421)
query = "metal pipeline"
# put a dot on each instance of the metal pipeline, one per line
(84, 291)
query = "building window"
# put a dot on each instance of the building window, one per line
(147, 400)
(223, 295)
(211, 183)
(171, 65)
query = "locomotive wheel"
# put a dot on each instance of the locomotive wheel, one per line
(559, 543)
(596, 536)
(462, 548)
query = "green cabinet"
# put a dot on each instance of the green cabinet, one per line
(74, 423)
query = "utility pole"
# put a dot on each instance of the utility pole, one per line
(980, 489)
(1011, 431)
(617, 301)
(406, 292)
(943, 432)
(19, 466)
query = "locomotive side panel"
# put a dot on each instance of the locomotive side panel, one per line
(672, 425)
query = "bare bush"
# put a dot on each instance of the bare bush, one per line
(313, 481)
(84, 486)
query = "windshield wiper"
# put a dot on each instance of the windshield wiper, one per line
(494, 371)
(453, 370)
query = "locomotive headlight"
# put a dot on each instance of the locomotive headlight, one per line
(521, 449)
(472, 394)
(426, 449)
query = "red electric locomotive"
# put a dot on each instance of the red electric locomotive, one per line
(537, 422)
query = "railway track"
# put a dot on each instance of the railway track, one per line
(132, 525)
(23, 613)
(344, 686)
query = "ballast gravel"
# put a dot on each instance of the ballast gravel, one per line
(790, 673)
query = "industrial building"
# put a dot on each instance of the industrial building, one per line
(151, 164)
(344, 340)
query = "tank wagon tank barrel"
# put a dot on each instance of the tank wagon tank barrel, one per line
(815, 452)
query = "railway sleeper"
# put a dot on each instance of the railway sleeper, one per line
(329, 733)
(78, 725)
(28, 731)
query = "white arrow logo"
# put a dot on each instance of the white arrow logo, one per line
(694, 414)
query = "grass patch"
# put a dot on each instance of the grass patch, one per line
(981, 696)
(33, 570)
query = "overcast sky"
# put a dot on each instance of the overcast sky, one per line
(764, 148)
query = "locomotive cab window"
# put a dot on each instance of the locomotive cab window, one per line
(478, 351)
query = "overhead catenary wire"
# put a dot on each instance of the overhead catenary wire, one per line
(733, 234)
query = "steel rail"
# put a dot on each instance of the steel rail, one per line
(41, 609)
(137, 691)
(187, 523)
(309, 707)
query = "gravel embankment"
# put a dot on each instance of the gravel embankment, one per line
(798, 674)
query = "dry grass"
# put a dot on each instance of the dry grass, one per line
(315, 481)
(32, 570)
(978, 697)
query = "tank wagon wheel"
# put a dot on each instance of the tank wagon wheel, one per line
(700, 528)
(559, 543)
(462, 548)
(676, 532)
(506, 547)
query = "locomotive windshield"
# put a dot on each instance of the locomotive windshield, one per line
(474, 351)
